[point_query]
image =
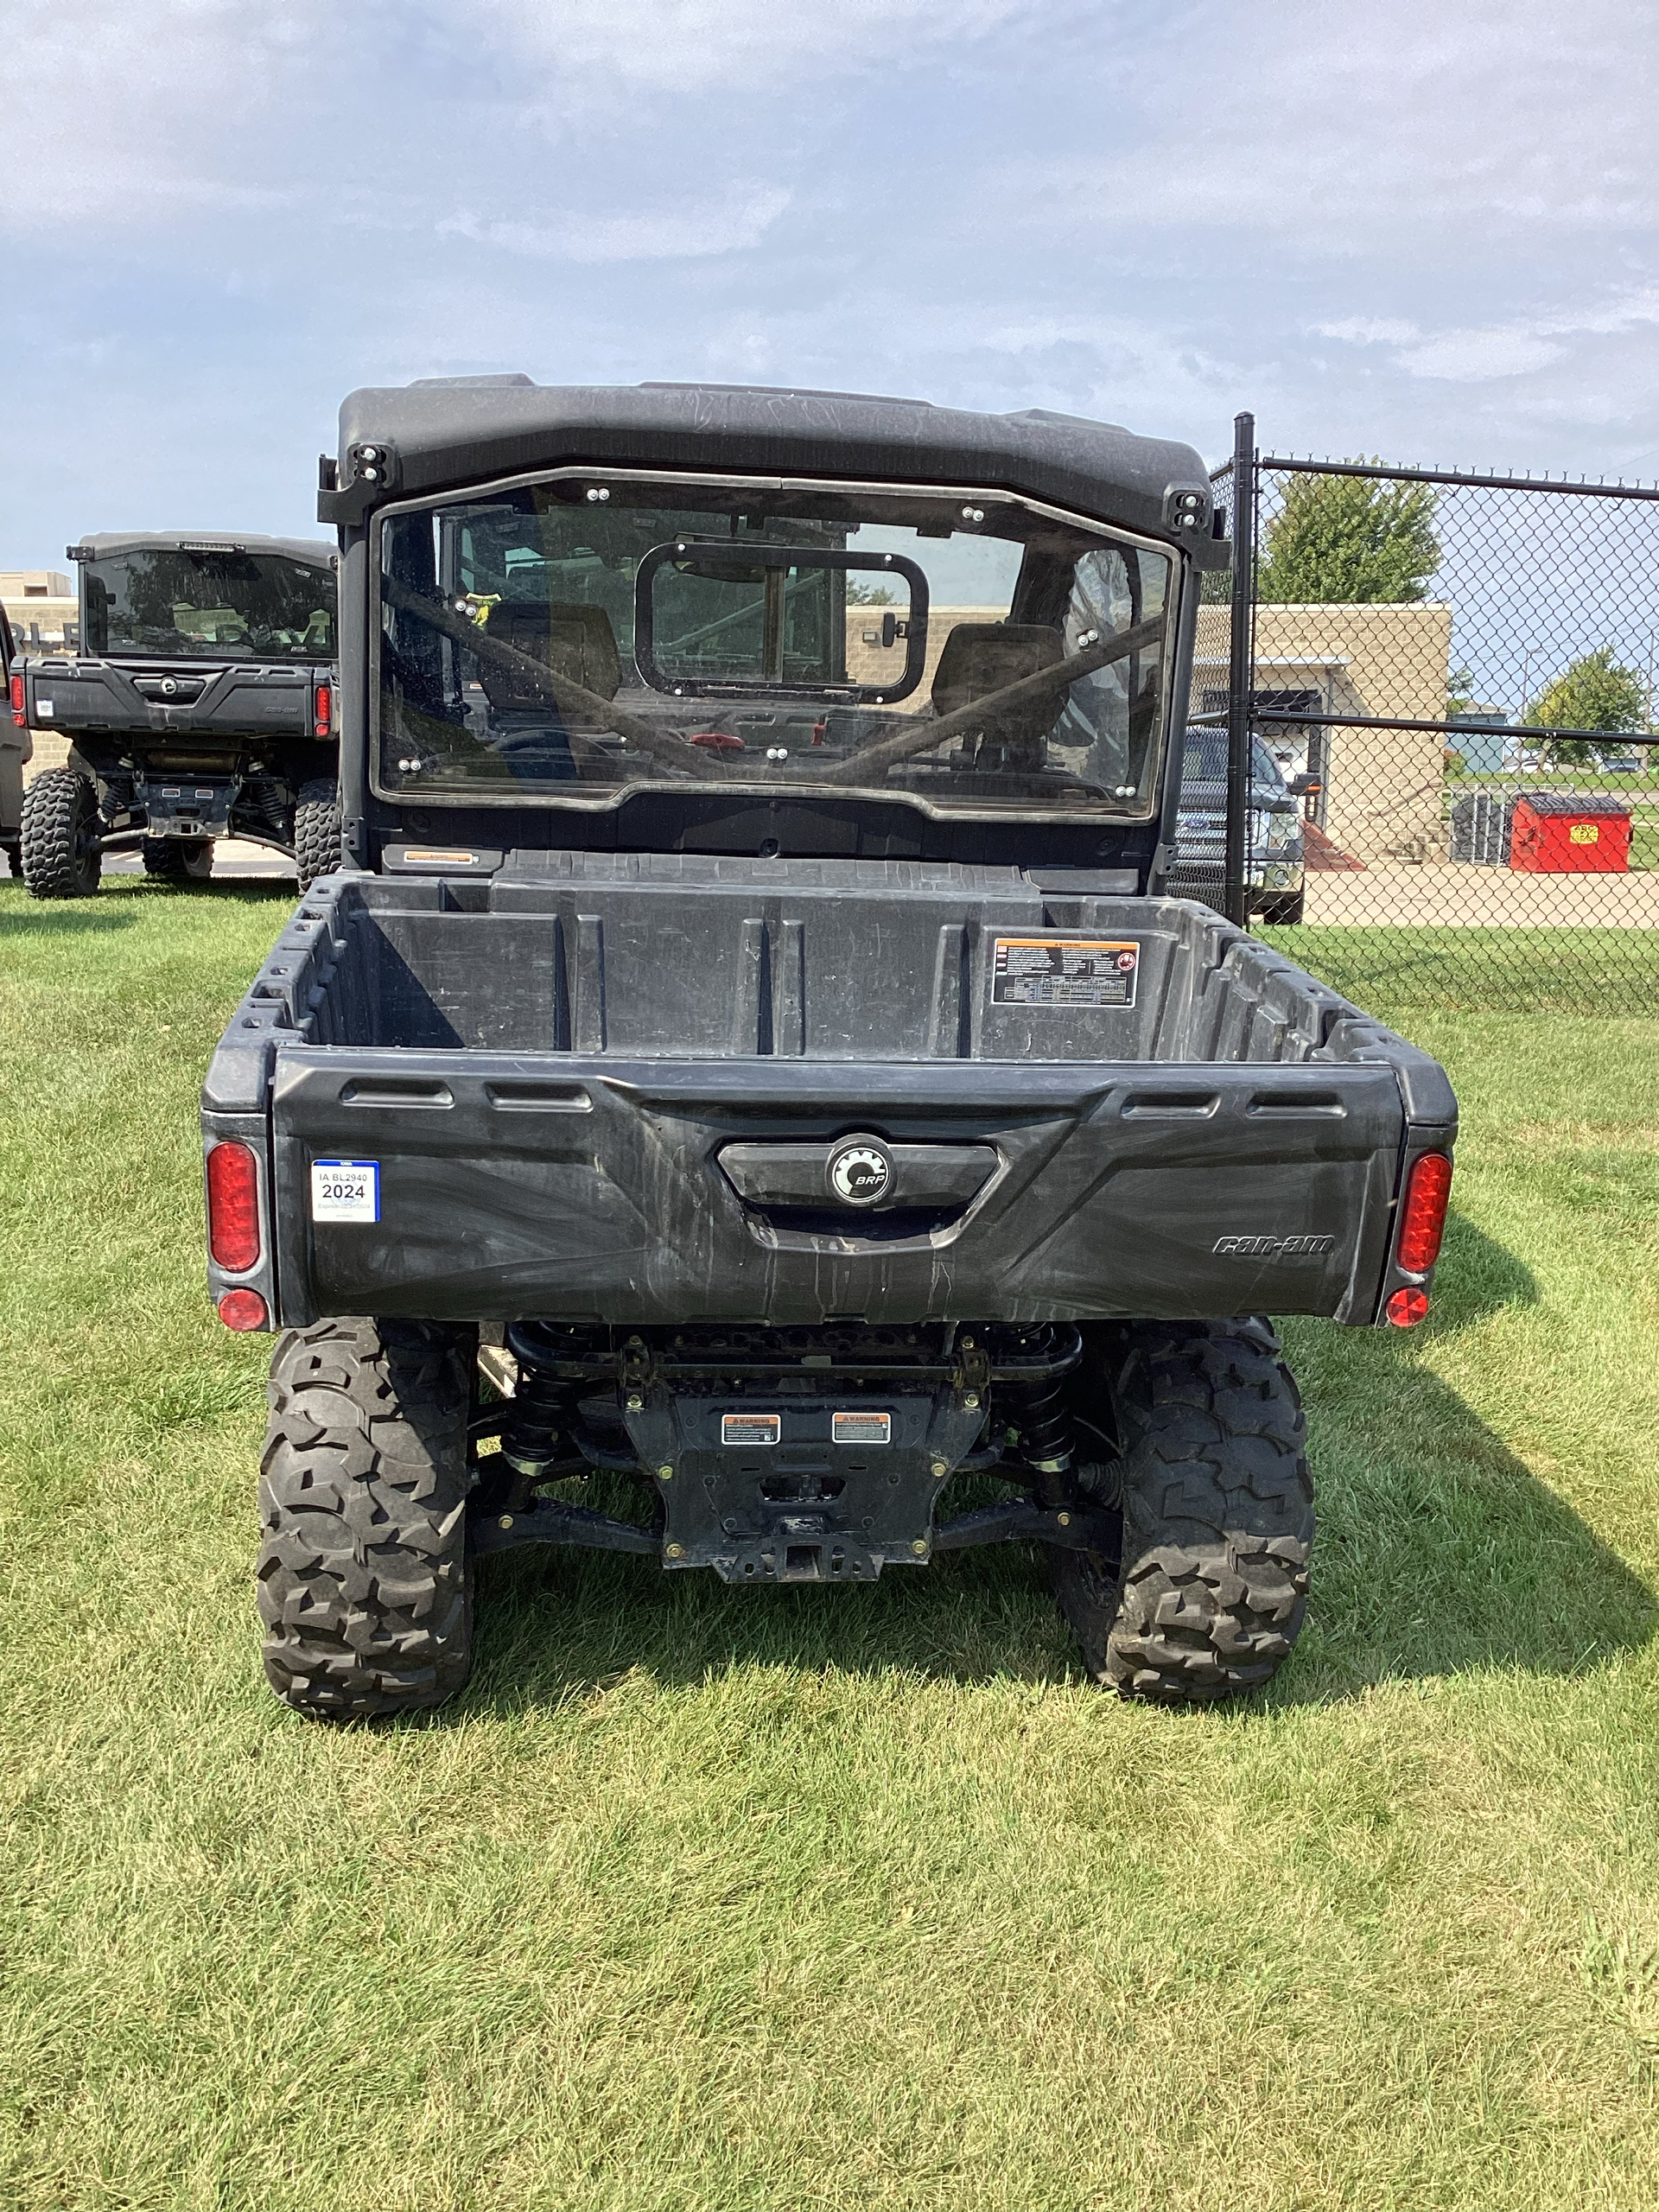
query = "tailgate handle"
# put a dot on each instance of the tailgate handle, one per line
(1288, 1105)
(538, 1097)
(1171, 1105)
(395, 1090)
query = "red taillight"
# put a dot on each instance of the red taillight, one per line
(1422, 1217)
(1407, 1308)
(322, 709)
(242, 1309)
(19, 711)
(233, 1211)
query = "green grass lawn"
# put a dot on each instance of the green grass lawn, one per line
(813, 1901)
(1540, 974)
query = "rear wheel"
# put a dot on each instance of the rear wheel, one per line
(364, 1581)
(316, 829)
(178, 860)
(1217, 1512)
(59, 835)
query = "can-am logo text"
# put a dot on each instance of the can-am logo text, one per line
(1274, 1248)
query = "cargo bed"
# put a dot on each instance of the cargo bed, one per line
(607, 1088)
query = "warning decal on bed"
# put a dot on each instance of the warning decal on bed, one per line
(1063, 971)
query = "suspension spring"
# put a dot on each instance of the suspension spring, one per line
(1047, 1433)
(1047, 1441)
(536, 1413)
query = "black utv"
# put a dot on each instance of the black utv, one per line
(199, 703)
(747, 1099)
(17, 750)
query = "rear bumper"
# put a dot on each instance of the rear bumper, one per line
(242, 704)
(589, 1188)
(1205, 879)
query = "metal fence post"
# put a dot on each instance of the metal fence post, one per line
(1241, 674)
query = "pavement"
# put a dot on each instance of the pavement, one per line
(230, 857)
(1447, 894)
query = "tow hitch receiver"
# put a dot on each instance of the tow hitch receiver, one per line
(761, 1489)
(785, 1456)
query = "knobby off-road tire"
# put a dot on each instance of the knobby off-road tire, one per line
(59, 835)
(316, 830)
(364, 1581)
(1218, 1516)
(178, 860)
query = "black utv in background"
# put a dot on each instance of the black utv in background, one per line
(17, 750)
(199, 704)
(748, 1100)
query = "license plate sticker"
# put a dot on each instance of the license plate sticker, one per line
(344, 1190)
(751, 1428)
(861, 1428)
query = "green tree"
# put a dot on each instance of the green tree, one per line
(1596, 692)
(1343, 538)
(860, 595)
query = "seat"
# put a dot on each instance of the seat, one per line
(574, 641)
(985, 657)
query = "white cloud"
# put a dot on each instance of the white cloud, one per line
(1369, 330)
(690, 47)
(729, 226)
(134, 113)
(1408, 132)
(1475, 356)
(1390, 227)
(1511, 349)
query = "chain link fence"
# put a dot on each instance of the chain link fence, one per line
(1433, 707)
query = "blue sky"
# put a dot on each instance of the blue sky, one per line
(1409, 229)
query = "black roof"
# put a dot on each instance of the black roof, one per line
(451, 431)
(102, 544)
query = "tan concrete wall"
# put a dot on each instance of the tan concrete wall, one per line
(869, 663)
(49, 752)
(1383, 787)
(38, 603)
(33, 584)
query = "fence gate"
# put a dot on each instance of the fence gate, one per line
(1438, 696)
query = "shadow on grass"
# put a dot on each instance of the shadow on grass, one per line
(215, 891)
(65, 918)
(1438, 1552)
(120, 902)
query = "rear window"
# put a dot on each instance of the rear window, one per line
(570, 640)
(209, 606)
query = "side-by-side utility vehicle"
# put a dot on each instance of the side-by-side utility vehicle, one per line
(747, 1099)
(197, 701)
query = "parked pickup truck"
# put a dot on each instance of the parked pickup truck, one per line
(767, 1118)
(197, 701)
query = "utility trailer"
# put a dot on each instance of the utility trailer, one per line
(198, 701)
(748, 1100)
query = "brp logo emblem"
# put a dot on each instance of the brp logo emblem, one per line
(860, 1172)
(168, 687)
